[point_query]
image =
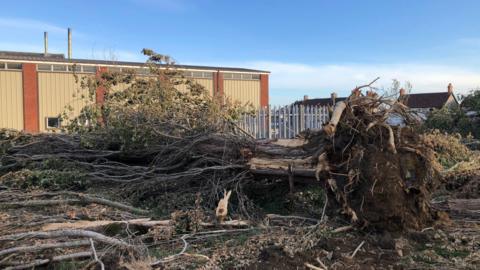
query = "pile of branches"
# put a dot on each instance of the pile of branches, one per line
(159, 148)
(153, 162)
(61, 200)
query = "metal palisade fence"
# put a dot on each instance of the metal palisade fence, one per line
(283, 122)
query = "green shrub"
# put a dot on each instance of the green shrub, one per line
(452, 120)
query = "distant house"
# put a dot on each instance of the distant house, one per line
(320, 101)
(424, 103)
(421, 102)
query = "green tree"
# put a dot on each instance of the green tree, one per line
(151, 109)
(454, 119)
(472, 100)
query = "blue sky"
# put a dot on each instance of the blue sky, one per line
(311, 47)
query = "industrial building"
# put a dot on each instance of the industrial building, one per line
(35, 88)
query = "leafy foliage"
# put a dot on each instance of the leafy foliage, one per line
(449, 149)
(149, 109)
(455, 119)
(451, 120)
(472, 101)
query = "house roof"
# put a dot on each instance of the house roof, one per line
(415, 101)
(318, 101)
(60, 58)
(426, 100)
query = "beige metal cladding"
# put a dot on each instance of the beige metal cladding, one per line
(245, 92)
(118, 87)
(11, 100)
(59, 93)
(207, 83)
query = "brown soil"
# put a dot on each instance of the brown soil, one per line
(464, 185)
(385, 190)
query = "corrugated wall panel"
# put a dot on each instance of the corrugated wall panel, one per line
(11, 100)
(57, 92)
(243, 91)
(207, 83)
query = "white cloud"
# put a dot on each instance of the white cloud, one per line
(290, 81)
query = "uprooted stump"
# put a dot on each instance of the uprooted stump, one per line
(381, 175)
(380, 188)
(377, 174)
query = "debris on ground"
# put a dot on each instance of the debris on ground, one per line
(362, 193)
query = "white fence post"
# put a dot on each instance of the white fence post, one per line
(283, 122)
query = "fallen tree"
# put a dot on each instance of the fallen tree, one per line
(153, 163)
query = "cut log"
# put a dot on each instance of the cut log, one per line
(278, 151)
(143, 222)
(94, 225)
(291, 143)
(280, 163)
(331, 127)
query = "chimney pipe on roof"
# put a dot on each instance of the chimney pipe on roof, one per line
(45, 43)
(450, 88)
(69, 43)
(305, 97)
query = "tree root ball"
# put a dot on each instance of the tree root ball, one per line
(381, 189)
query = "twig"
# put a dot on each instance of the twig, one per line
(95, 257)
(241, 129)
(196, 255)
(274, 216)
(321, 263)
(322, 219)
(356, 250)
(7, 258)
(311, 266)
(366, 85)
(343, 229)
(173, 257)
(113, 204)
